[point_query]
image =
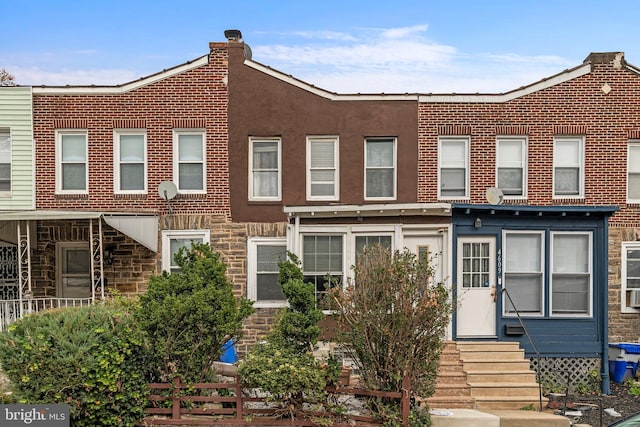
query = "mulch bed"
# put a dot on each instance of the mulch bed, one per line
(619, 399)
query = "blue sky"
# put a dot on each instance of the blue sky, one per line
(462, 46)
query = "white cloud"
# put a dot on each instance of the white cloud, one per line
(37, 76)
(404, 60)
(364, 60)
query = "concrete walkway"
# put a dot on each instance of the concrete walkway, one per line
(496, 418)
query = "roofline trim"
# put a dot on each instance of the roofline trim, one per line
(324, 93)
(136, 84)
(384, 209)
(509, 96)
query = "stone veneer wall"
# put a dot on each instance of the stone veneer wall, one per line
(134, 264)
(230, 239)
(622, 326)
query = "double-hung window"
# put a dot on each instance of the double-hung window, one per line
(364, 241)
(189, 161)
(265, 169)
(130, 158)
(263, 256)
(630, 275)
(322, 261)
(524, 272)
(322, 168)
(453, 170)
(570, 274)
(5, 160)
(511, 163)
(633, 172)
(173, 240)
(568, 167)
(380, 168)
(72, 175)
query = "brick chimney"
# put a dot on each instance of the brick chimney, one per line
(614, 58)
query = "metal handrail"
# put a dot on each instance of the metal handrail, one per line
(535, 349)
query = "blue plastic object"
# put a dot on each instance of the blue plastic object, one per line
(622, 370)
(229, 353)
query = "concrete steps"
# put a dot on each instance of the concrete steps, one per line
(485, 376)
(506, 418)
(499, 375)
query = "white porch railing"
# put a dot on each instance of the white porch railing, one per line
(10, 309)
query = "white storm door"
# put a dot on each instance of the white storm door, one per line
(74, 270)
(476, 288)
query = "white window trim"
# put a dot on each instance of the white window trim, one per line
(116, 160)
(543, 259)
(394, 140)
(7, 131)
(624, 308)
(467, 167)
(525, 173)
(167, 235)
(278, 142)
(59, 134)
(631, 143)
(176, 160)
(581, 174)
(252, 261)
(589, 314)
(336, 168)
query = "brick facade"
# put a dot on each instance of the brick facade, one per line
(601, 106)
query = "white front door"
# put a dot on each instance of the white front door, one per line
(429, 247)
(476, 288)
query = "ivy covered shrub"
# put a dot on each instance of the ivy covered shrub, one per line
(188, 316)
(284, 366)
(88, 357)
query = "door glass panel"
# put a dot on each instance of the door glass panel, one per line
(475, 264)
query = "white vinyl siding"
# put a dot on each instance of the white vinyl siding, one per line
(453, 168)
(380, 169)
(130, 161)
(190, 169)
(512, 166)
(568, 167)
(322, 168)
(72, 167)
(265, 169)
(633, 172)
(16, 121)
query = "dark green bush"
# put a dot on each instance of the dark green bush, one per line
(188, 316)
(88, 357)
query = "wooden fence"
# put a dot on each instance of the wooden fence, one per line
(195, 404)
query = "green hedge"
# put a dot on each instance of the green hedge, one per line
(88, 357)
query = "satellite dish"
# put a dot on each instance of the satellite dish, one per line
(167, 190)
(494, 196)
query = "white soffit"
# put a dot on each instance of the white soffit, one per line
(142, 229)
(373, 210)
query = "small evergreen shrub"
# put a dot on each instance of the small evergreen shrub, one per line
(284, 366)
(187, 317)
(88, 357)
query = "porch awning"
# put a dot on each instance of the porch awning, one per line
(141, 228)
